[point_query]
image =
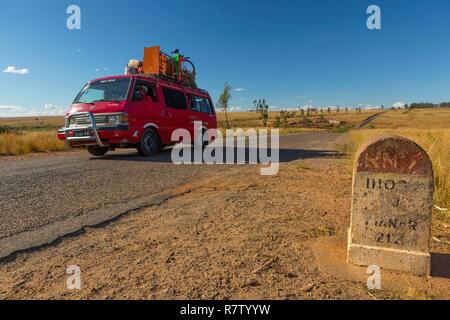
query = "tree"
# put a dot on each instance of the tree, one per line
(263, 109)
(277, 122)
(225, 97)
(284, 118)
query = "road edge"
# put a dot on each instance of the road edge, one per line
(54, 231)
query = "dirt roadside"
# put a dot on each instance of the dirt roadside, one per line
(239, 236)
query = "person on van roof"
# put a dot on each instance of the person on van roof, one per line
(176, 57)
(176, 54)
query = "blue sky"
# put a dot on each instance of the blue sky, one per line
(292, 53)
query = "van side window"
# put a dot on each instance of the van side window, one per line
(195, 104)
(174, 99)
(150, 89)
(200, 104)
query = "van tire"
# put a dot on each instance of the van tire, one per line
(97, 151)
(149, 144)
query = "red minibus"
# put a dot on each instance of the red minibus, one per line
(134, 111)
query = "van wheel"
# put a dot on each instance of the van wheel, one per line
(97, 151)
(149, 143)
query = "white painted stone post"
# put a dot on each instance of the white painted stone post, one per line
(393, 189)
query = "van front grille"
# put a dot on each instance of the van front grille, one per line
(83, 120)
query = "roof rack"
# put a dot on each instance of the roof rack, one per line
(160, 64)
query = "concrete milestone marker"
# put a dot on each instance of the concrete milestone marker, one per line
(393, 189)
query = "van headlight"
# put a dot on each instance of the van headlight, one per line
(118, 119)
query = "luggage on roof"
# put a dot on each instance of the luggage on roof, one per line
(158, 63)
(133, 67)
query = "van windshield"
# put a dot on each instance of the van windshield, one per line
(104, 90)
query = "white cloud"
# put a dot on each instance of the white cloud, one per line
(10, 108)
(239, 89)
(399, 104)
(51, 109)
(101, 69)
(11, 111)
(18, 111)
(15, 70)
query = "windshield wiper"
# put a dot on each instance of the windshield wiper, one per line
(103, 100)
(78, 102)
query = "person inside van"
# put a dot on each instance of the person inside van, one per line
(142, 94)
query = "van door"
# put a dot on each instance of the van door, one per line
(177, 110)
(201, 110)
(146, 110)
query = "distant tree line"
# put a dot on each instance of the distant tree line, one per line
(444, 105)
(427, 105)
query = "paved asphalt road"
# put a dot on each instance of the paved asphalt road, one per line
(40, 194)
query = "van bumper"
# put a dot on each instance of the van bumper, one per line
(103, 136)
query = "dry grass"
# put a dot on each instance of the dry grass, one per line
(237, 119)
(435, 141)
(32, 123)
(24, 143)
(417, 119)
(25, 135)
(415, 294)
(21, 140)
(281, 131)
(253, 120)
